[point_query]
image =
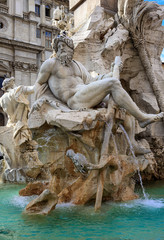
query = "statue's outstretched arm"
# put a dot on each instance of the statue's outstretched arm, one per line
(45, 72)
(28, 89)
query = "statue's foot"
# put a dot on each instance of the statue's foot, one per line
(151, 118)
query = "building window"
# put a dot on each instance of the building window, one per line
(1, 25)
(48, 39)
(38, 33)
(37, 10)
(1, 81)
(47, 11)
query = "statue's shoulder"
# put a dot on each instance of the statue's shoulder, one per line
(49, 63)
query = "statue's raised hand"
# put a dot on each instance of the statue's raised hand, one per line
(118, 62)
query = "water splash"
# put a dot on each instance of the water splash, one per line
(65, 205)
(145, 203)
(153, 203)
(135, 159)
(20, 201)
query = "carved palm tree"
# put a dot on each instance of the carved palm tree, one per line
(136, 21)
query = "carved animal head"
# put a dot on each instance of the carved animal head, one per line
(78, 160)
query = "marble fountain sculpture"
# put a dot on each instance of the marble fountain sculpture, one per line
(80, 118)
(19, 150)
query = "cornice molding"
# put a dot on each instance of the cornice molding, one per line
(17, 65)
(45, 26)
(55, 2)
(47, 2)
(24, 18)
(19, 44)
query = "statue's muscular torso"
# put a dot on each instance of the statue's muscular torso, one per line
(62, 80)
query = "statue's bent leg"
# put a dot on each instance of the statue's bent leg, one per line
(121, 97)
(88, 96)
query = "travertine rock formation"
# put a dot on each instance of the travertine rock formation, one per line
(75, 133)
(33, 188)
(44, 204)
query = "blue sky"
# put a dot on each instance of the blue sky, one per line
(160, 2)
(162, 56)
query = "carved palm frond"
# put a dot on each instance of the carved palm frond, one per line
(140, 17)
(137, 19)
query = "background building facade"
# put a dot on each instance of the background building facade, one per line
(26, 33)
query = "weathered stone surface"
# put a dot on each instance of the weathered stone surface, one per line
(89, 39)
(84, 190)
(43, 204)
(35, 188)
(71, 185)
(147, 101)
(70, 121)
(21, 162)
(82, 10)
(115, 41)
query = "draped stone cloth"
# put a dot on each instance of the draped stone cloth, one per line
(15, 103)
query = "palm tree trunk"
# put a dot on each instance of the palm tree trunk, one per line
(149, 72)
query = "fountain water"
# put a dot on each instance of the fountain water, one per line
(135, 220)
(135, 159)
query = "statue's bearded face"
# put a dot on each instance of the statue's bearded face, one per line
(64, 53)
